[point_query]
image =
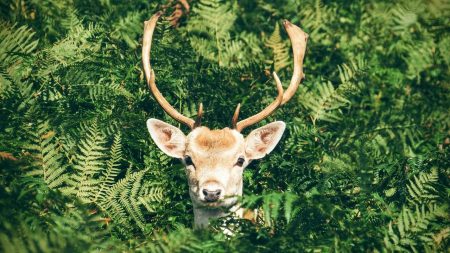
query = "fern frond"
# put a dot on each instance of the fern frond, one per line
(7, 156)
(316, 17)
(73, 49)
(213, 18)
(112, 168)
(411, 229)
(421, 189)
(49, 163)
(124, 199)
(324, 103)
(404, 18)
(107, 91)
(89, 163)
(150, 196)
(128, 28)
(14, 43)
(210, 35)
(349, 72)
(280, 50)
(271, 204)
(135, 202)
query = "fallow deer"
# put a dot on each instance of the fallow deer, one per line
(215, 159)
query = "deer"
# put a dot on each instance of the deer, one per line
(215, 159)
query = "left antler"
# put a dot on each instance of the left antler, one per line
(299, 40)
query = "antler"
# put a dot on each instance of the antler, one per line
(298, 40)
(149, 27)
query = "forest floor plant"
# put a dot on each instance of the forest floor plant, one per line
(363, 165)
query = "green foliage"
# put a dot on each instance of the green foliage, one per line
(14, 41)
(280, 50)
(324, 103)
(271, 204)
(210, 33)
(362, 167)
(49, 163)
(415, 229)
(421, 188)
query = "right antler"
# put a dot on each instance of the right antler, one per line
(149, 27)
(298, 40)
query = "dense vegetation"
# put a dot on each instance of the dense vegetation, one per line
(363, 166)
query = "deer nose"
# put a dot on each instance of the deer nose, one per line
(211, 196)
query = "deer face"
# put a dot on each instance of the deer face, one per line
(215, 159)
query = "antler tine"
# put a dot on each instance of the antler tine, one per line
(236, 116)
(149, 27)
(298, 40)
(264, 113)
(198, 120)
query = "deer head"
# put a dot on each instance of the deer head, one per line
(215, 159)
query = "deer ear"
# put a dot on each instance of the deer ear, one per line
(263, 140)
(168, 138)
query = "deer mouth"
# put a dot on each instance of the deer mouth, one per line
(220, 203)
(217, 203)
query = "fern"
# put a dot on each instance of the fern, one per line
(150, 196)
(112, 170)
(181, 240)
(210, 35)
(316, 17)
(120, 203)
(271, 204)
(128, 28)
(324, 103)
(89, 163)
(280, 50)
(105, 91)
(420, 188)
(421, 58)
(49, 162)
(411, 230)
(95, 182)
(94, 179)
(349, 75)
(73, 49)
(404, 18)
(443, 45)
(214, 21)
(362, 167)
(14, 43)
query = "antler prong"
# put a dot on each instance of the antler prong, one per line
(198, 120)
(236, 116)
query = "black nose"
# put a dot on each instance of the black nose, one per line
(211, 196)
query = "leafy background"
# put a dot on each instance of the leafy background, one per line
(363, 165)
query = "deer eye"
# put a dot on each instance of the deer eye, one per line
(188, 160)
(240, 161)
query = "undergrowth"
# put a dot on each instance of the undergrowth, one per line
(363, 165)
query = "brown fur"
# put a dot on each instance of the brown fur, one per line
(219, 140)
(251, 215)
